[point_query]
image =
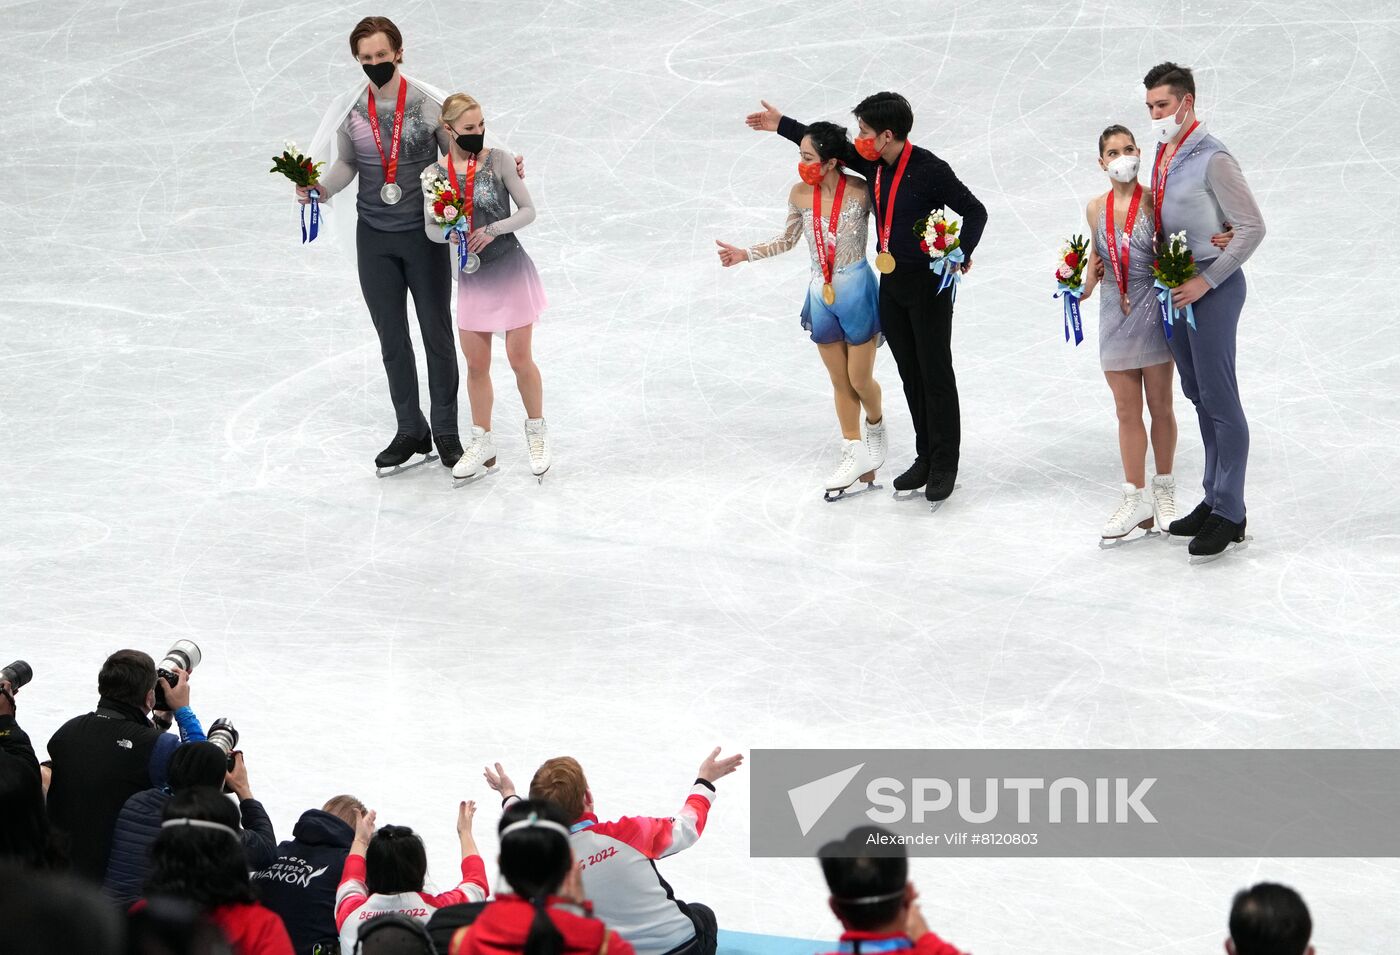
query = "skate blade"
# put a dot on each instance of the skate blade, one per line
(1132, 537)
(401, 468)
(473, 478)
(1196, 560)
(915, 495)
(539, 478)
(841, 494)
(935, 506)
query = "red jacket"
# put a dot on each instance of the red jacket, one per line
(871, 943)
(503, 926)
(250, 928)
(253, 929)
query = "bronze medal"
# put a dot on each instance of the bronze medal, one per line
(884, 262)
(829, 294)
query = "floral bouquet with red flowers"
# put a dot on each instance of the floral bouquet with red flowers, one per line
(938, 236)
(1069, 278)
(303, 172)
(1173, 266)
(453, 212)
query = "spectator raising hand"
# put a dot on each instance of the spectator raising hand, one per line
(386, 869)
(619, 857)
(713, 768)
(500, 782)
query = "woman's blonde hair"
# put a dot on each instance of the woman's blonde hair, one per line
(457, 104)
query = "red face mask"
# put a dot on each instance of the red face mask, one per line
(867, 148)
(810, 172)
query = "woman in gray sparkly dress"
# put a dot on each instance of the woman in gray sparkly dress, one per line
(1133, 349)
(498, 290)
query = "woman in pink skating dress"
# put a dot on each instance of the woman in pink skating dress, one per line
(503, 293)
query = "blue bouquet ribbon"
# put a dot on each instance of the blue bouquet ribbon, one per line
(950, 277)
(1073, 322)
(1170, 313)
(309, 235)
(461, 243)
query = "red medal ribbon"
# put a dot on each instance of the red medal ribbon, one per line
(391, 162)
(468, 193)
(1159, 177)
(894, 191)
(1121, 272)
(826, 257)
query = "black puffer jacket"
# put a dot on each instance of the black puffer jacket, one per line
(138, 825)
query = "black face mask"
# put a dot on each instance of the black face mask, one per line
(471, 142)
(379, 73)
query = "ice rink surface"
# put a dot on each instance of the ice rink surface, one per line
(192, 403)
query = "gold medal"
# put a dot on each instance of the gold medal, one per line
(828, 294)
(884, 262)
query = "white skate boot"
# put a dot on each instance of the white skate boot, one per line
(1132, 514)
(1164, 500)
(537, 441)
(854, 466)
(478, 458)
(875, 443)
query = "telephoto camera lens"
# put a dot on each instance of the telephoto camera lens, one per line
(223, 735)
(18, 674)
(183, 655)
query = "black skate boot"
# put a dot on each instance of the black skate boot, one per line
(1215, 537)
(391, 460)
(1191, 524)
(940, 485)
(914, 478)
(449, 448)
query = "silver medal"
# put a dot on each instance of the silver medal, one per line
(472, 263)
(390, 193)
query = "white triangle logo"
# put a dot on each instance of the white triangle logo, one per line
(810, 801)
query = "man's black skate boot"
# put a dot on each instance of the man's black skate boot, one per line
(1215, 537)
(449, 448)
(940, 485)
(914, 478)
(403, 447)
(1191, 524)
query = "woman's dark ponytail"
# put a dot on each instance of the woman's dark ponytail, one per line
(535, 859)
(544, 938)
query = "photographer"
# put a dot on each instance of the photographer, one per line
(138, 825)
(25, 832)
(103, 758)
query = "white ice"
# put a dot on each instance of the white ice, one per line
(192, 402)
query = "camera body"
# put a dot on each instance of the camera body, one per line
(184, 655)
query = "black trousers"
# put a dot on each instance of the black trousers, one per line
(918, 325)
(392, 266)
(706, 938)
